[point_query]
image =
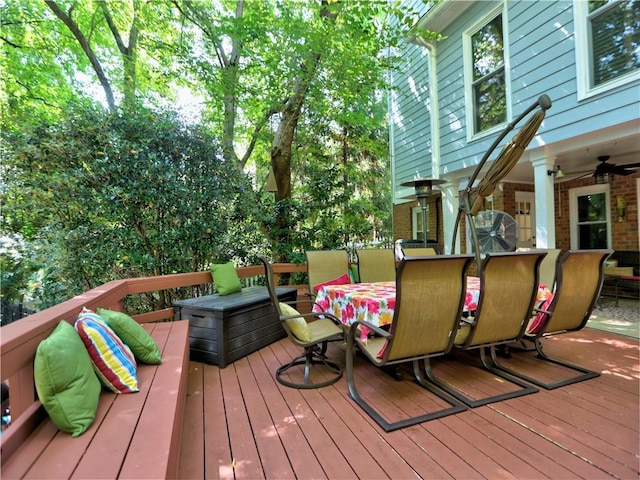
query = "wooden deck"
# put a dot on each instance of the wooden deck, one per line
(240, 423)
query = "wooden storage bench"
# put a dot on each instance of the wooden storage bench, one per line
(225, 328)
(136, 435)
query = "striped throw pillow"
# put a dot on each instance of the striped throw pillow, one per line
(112, 360)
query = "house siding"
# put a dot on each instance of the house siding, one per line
(410, 114)
(542, 50)
(540, 43)
(411, 120)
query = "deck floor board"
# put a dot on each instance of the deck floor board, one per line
(241, 423)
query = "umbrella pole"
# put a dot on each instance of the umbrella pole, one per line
(455, 231)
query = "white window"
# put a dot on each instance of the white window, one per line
(485, 78)
(607, 44)
(590, 217)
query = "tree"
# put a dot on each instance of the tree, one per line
(116, 195)
(129, 46)
(281, 61)
(289, 86)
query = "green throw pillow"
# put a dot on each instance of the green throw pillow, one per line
(142, 345)
(298, 325)
(65, 381)
(226, 278)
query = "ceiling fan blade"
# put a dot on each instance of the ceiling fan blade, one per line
(618, 170)
(579, 172)
(606, 168)
(631, 165)
(583, 175)
(621, 169)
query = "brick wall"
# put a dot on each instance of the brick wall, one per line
(624, 235)
(402, 227)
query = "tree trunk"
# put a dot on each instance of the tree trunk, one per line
(86, 48)
(281, 157)
(282, 147)
(129, 52)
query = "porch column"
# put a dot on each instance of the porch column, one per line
(450, 203)
(545, 202)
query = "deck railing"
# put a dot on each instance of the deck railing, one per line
(19, 340)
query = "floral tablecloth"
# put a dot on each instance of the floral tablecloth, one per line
(374, 302)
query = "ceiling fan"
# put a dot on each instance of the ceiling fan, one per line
(605, 170)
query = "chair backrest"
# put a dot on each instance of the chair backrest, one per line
(376, 265)
(269, 282)
(419, 252)
(430, 293)
(270, 279)
(579, 277)
(508, 289)
(326, 265)
(548, 265)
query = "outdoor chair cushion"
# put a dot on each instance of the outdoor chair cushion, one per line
(142, 345)
(297, 325)
(112, 359)
(226, 278)
(65, 381)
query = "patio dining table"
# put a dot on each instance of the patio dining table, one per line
(374, 303)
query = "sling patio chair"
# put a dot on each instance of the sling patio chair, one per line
(376, 265)
(508, 289)
(430, 294)
(327, 267)
(419, 252)
(579, 278)
(548, 266)
(312, 337)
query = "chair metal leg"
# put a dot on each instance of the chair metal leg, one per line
(456, 406)
(310, 356)
(525, 388)
(585, 374)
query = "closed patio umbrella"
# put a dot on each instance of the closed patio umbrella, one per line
(471, 199)
(505, 162)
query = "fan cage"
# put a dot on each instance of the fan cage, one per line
(497, 231)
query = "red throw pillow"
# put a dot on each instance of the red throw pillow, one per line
(541, 317)
(382, 351)
(341, 280)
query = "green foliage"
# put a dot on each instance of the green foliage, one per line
(109, 195)
(90, 196)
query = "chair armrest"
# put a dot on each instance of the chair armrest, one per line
(295, 302)
(370, 326)
(468, 320)
(313, 315)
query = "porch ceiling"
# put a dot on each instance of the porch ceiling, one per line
(577, 161)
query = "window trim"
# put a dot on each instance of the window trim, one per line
(467, 58)
(583, 57)
(574, 193)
